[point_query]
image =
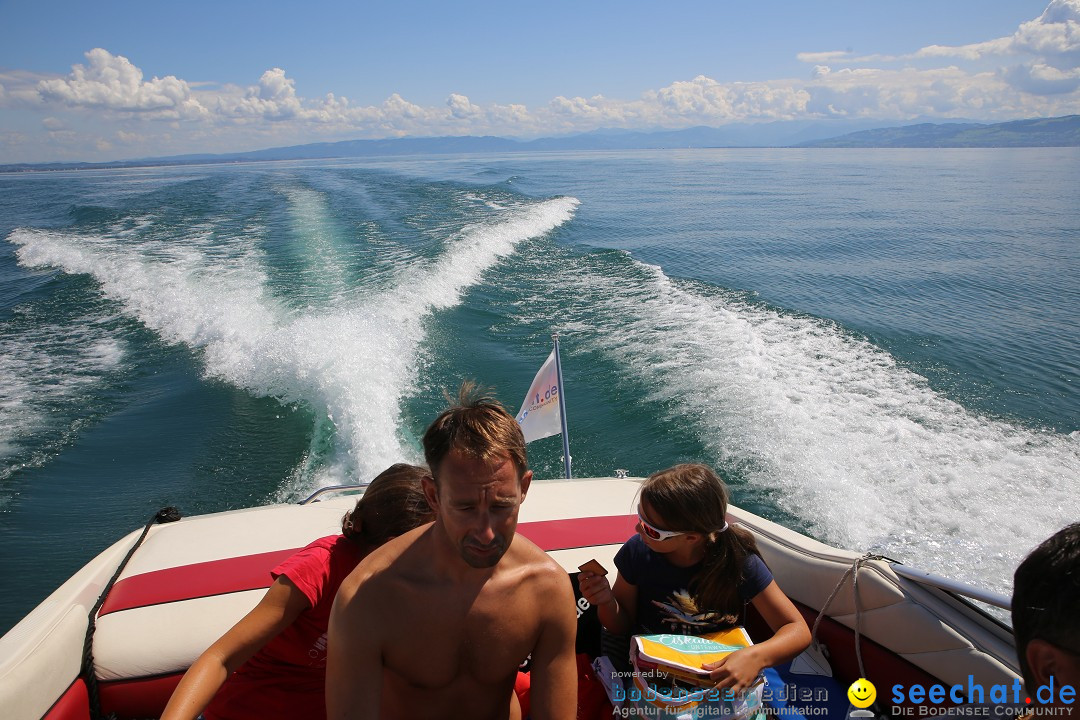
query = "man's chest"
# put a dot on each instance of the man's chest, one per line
(448, 638)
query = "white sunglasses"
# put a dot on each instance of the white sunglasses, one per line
(655, 533)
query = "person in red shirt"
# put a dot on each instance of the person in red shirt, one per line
(278, 650)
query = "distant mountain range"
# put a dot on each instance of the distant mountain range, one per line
(1038, 132)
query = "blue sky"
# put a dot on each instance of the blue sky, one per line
(108, 80)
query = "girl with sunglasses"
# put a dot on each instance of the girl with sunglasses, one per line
(687, 571)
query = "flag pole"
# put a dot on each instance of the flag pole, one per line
(562, 408)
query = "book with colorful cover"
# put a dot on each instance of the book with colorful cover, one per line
(683, 655)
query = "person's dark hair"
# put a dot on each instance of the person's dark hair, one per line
(478, 426)
(692, 498)
(1046, 596)
(393, 504)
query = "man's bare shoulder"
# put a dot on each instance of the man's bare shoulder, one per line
(532, 565)
(386, 565)
(526, 551)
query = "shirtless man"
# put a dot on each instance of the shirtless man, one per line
(435, 623)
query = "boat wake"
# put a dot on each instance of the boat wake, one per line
(347, 350)
(821, 424)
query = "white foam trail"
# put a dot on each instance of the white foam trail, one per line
(357, 360)
(480, 246)
(47, 373)
(858, 447)
(366, 355)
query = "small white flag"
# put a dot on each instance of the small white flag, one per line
(539, 414)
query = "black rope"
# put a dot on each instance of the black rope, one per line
(164, 515)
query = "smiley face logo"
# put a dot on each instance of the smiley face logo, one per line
(862, 693)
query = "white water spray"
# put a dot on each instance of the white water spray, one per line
(356, 358)
(859, 448)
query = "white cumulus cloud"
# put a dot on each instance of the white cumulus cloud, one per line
(461, 108)
(1048, 48)
(1055, 35)
(1052, 40)
(273, 98)
(113, 82)
(706, 101)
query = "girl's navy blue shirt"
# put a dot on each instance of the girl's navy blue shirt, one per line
(664, 600)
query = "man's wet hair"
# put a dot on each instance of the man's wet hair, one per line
(478, 426)
(1046, 596)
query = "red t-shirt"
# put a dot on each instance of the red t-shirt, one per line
(287, 678)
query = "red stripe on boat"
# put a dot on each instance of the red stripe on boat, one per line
(218, 577)
(252, 572)
(579, 532)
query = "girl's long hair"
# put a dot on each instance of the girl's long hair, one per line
(393, 504)
(691, 497)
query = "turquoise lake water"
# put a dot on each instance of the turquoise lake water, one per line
(876, 347)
